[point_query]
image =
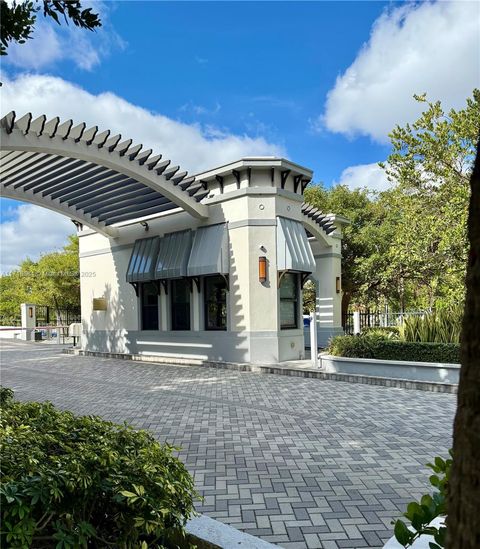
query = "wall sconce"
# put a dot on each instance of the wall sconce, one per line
(30, 312)
(262, 268)
(337, 284)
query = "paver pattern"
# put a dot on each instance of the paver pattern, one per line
(301, 463)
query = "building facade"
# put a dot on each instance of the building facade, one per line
(223, 289)
(206, 268)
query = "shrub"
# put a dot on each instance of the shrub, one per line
(420, 514)
(381, 348)
(442, 326)
(6, 395)
(71, 482)
(387, 332)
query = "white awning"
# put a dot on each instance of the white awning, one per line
(173, 254)
(209, 253)
(141, 267)
(293, 250)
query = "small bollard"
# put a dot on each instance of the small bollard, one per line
(313, 340)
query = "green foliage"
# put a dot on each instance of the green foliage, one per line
(360, 209)
(6, 395)
(53, 280)
(407, 246)
(441, 326)
(387, 332)
(421, 513)
(309, 297)
(17, 19)
(374, 346)
(71, 482)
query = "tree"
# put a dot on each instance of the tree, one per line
(463, 525)
(17, 19)
(359, 208)
(53, 280)
(407, 246)
(430, 166)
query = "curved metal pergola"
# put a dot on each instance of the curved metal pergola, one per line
(91, 176)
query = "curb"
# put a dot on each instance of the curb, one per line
(435, 387)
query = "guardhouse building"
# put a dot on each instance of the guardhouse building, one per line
(187, 268)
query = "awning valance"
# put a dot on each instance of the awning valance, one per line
(293, 250)
(173, 254)
(141, 267)
(209, 253)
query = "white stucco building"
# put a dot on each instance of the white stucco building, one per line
(206, 267)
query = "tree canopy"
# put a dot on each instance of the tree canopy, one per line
(17, 19)
(407, 246)
(53, 280)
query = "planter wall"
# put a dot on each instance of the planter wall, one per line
(394, 369)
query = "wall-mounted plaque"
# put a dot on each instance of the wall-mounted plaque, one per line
(99, 304)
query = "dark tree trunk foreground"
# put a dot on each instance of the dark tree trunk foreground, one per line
(463, 519)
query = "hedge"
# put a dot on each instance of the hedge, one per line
(71, 482)
(388, 349)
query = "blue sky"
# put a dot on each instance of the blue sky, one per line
(319, 82)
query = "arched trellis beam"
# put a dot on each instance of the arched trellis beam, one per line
(54, 206)
(318, 224)
(55, 164)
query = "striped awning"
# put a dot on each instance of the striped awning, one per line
(141, 267)
(293, 249)
(209, 253)
(173, 254)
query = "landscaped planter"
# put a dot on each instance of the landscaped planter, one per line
(435, 372)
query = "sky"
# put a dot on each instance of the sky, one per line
(205, 83)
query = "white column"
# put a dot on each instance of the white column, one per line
(356, 322)
(329, 295)
(29, 321)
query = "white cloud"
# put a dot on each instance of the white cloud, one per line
(52, 43)
(200, 110)
(34, 55)
(194, 147)
(431, 47)
(32, 231)
(370, 176)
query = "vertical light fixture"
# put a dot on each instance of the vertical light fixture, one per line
(30, 312)
(262, 268)
(337, 284)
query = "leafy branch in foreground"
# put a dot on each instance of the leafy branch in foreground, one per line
(421, 514)
(17, 20)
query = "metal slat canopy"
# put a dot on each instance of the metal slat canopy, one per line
(209, 253)
(68, 168)
(173, 254)
(293, 250)
(141, 267)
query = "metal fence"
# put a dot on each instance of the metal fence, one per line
(375, 319)
(46, 315)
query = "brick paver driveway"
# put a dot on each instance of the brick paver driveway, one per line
(298, 462)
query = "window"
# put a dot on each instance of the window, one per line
(289, 301)
(149, 304)
(180, 301)
(215, 296)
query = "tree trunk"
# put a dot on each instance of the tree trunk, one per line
(463, 521)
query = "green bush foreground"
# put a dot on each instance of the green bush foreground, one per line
(373, 346)
(71, 482)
